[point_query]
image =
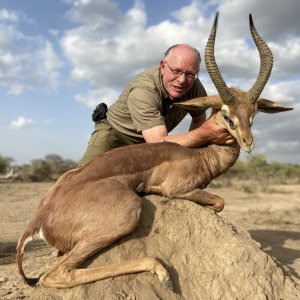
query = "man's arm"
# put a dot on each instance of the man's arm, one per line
(208, 132)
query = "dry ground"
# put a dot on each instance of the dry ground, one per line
(271, 217)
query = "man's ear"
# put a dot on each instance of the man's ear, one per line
(270, 107)
(201, 103)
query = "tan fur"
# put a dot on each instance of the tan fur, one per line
(91, 207)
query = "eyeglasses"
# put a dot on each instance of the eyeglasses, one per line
(177, 73)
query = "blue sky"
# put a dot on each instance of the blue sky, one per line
(59, 59)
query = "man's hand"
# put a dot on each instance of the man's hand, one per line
(216, 134)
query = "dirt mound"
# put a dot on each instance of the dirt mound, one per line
(208, 257)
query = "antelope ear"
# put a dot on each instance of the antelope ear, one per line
(270, 107)
(201, 102)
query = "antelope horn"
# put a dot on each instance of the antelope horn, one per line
(213, 70)
(266, 63)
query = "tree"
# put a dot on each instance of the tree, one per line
(5, 164)
(58, 165)
(40, 170)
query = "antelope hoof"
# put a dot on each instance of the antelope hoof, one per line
(168, 283)
(164, 277)
(219, 206)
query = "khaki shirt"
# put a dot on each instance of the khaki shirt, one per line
(145, 104)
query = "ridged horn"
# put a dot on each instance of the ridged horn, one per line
(266, 63)
(213, 70)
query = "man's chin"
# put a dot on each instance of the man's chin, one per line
(176, 94)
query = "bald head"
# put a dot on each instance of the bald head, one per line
(179, 69)
(185, 48)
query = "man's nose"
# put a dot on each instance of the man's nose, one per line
(182, 78)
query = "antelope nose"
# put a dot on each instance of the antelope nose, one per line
(248, 145)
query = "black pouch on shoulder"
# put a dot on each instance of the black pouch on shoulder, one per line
(100, 112)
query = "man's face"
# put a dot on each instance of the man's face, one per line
(180, 59)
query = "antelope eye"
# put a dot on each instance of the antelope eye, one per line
(230, 122)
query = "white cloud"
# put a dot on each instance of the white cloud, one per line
(285, 91)
(54, 32)
(15, 89)
(190, 13)
(45, 66)
(94, 97)
(26, 62)
(285, 55)
(21, 122)
(7, 15)
(93, 12)
(10, 66)
(101, 51)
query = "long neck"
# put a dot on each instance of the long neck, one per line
(217, 159)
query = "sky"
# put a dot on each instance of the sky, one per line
(60, 58)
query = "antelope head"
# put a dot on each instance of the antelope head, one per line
(237, 108)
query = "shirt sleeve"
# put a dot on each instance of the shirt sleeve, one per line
(145, 108)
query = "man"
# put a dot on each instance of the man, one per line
(145, 112)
